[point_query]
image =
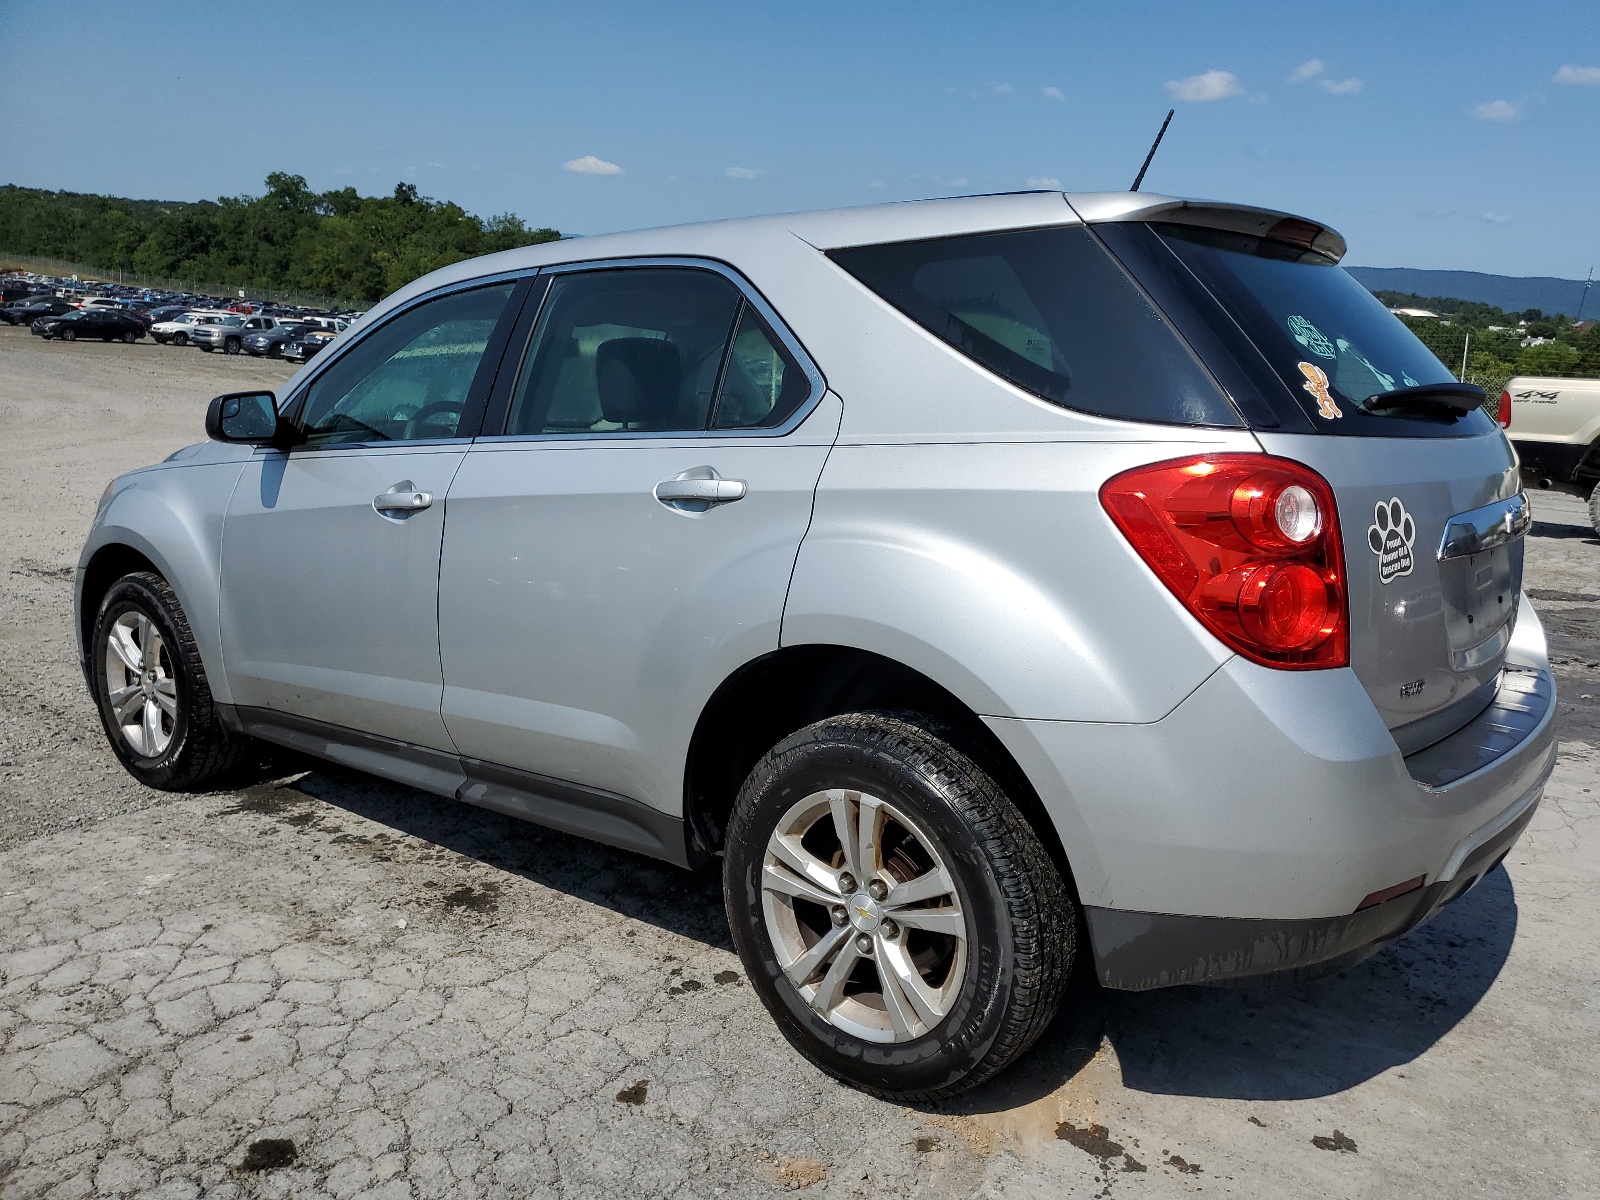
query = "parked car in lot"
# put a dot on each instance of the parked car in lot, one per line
(268, 343)
(1554, 426)
(229, 331)
(176, 330)
(31, 308)
(990, 585)
(311, 340)
(107, 324)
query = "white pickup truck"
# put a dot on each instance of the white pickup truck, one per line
(1554, 425)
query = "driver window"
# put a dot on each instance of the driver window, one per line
(409, 379)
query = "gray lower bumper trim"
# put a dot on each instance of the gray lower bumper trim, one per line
(569, 807)
(1137, 951)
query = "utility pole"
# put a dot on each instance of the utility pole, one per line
(1464, 347)
(1587, 284)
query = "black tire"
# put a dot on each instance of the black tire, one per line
(69, 335)
(1594, 508)
(180, 339)
(230, 346)
(1021, 916)
(129, 337)
(205, 347)
(200, 749)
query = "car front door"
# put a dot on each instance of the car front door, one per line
(330, 550)
(626, 543)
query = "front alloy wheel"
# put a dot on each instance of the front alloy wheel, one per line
(139, 684)
(151, 688)
(894, 910)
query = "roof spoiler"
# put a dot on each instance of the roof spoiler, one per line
(1209, 214)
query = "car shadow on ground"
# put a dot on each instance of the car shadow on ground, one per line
(1552, 529)
(1281, 1043)
(643, 889)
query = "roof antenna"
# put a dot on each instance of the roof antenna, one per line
(1153, 147)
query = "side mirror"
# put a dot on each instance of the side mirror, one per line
(247, 417)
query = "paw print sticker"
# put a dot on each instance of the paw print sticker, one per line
(1391, 535)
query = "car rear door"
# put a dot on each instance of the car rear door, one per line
(627, 542)
(330, 550)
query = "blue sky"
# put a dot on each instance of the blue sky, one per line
(1458, 135)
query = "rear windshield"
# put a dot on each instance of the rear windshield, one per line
(1332, 342)
(1049, 311)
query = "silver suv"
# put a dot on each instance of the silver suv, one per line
(991, 584)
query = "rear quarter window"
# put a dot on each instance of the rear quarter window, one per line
(1050, 312)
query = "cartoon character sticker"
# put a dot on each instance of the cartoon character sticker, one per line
(1317, 384)
(1309, 336)
(1391, 535)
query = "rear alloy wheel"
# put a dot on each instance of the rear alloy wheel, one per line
(180, 339)
(129, 337)
(151, 689)
(1594, 508)
(230, 346)
(895, 912)
(69, 335)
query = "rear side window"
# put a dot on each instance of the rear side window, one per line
(1049, 311)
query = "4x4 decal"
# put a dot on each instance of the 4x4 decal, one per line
(1391, 535)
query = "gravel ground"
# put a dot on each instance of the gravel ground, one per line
(320, 984)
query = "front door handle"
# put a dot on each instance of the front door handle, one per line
(699, 489)
(402, 498)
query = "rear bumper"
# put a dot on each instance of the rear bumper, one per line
(1139, 951)
(1238, 837)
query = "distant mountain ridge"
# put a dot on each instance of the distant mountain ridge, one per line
(1509, 292)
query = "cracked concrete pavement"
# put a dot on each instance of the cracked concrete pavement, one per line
(318, 984)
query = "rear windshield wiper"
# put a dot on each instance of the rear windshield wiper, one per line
(1458, 399)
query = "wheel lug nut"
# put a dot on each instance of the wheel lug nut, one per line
(847, 882)
(877, 889)
(839, 914)
(863, 943)
(891, 930)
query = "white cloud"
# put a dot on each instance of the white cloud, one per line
(590, 165)
(1495, 218)
(1212, 85)
(1497, 110)
(741, 172)
(1582, 76)
(1306, 70)
(877, 183)
(1340, 87)
(1047, 182)
(1052, 93)
(1002, 89)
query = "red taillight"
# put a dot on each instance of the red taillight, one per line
(1504, 415)
(1250, 544)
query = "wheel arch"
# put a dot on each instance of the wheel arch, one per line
(771, 697)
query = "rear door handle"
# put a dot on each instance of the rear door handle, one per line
(698, 489)
(402, 498)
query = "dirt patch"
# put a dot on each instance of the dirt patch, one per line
(269, 1154)
(40, 570)
(635, 1092)
(485, 899)
(1338, 1141)
(1095, 1139)
(801, 1172)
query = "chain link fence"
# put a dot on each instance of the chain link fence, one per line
(221, 291)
